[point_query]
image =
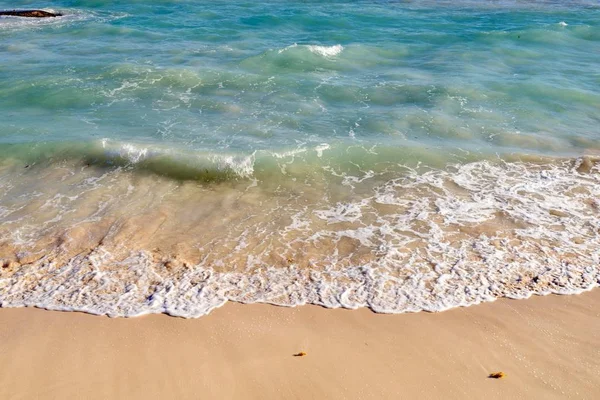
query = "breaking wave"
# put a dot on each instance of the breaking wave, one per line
(423, 241)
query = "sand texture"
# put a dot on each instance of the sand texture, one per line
(548, 347)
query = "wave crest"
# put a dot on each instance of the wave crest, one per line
(326, 51)
(421, 241)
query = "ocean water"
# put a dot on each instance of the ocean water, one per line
(170, 156)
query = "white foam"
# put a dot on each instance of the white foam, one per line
(422, 241)
(321, 148)
(133, 153)
(342, 212)
(326, 51)
(241, 165)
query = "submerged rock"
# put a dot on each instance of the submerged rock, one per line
(30, 14)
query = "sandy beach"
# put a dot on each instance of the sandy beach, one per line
(300, 200)
(548, 347)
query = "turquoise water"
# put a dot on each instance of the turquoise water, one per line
(231, 77)
(170, 156)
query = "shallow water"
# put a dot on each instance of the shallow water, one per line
(401, 156)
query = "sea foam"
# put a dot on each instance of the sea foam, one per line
(326, 51)
(424, 241)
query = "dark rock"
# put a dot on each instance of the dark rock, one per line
(29, 14)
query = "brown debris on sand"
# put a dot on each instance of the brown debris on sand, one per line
(30, 14)
(497, 375)
(301, 354)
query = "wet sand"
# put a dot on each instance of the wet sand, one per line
(120, 242)
(548, 347)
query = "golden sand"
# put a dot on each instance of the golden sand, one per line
(547, 347)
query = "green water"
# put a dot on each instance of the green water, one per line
(236, 78)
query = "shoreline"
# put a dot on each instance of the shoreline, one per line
(261, 303)
(444, 238)
(546, 345)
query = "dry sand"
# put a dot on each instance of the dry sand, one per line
(549, 347)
